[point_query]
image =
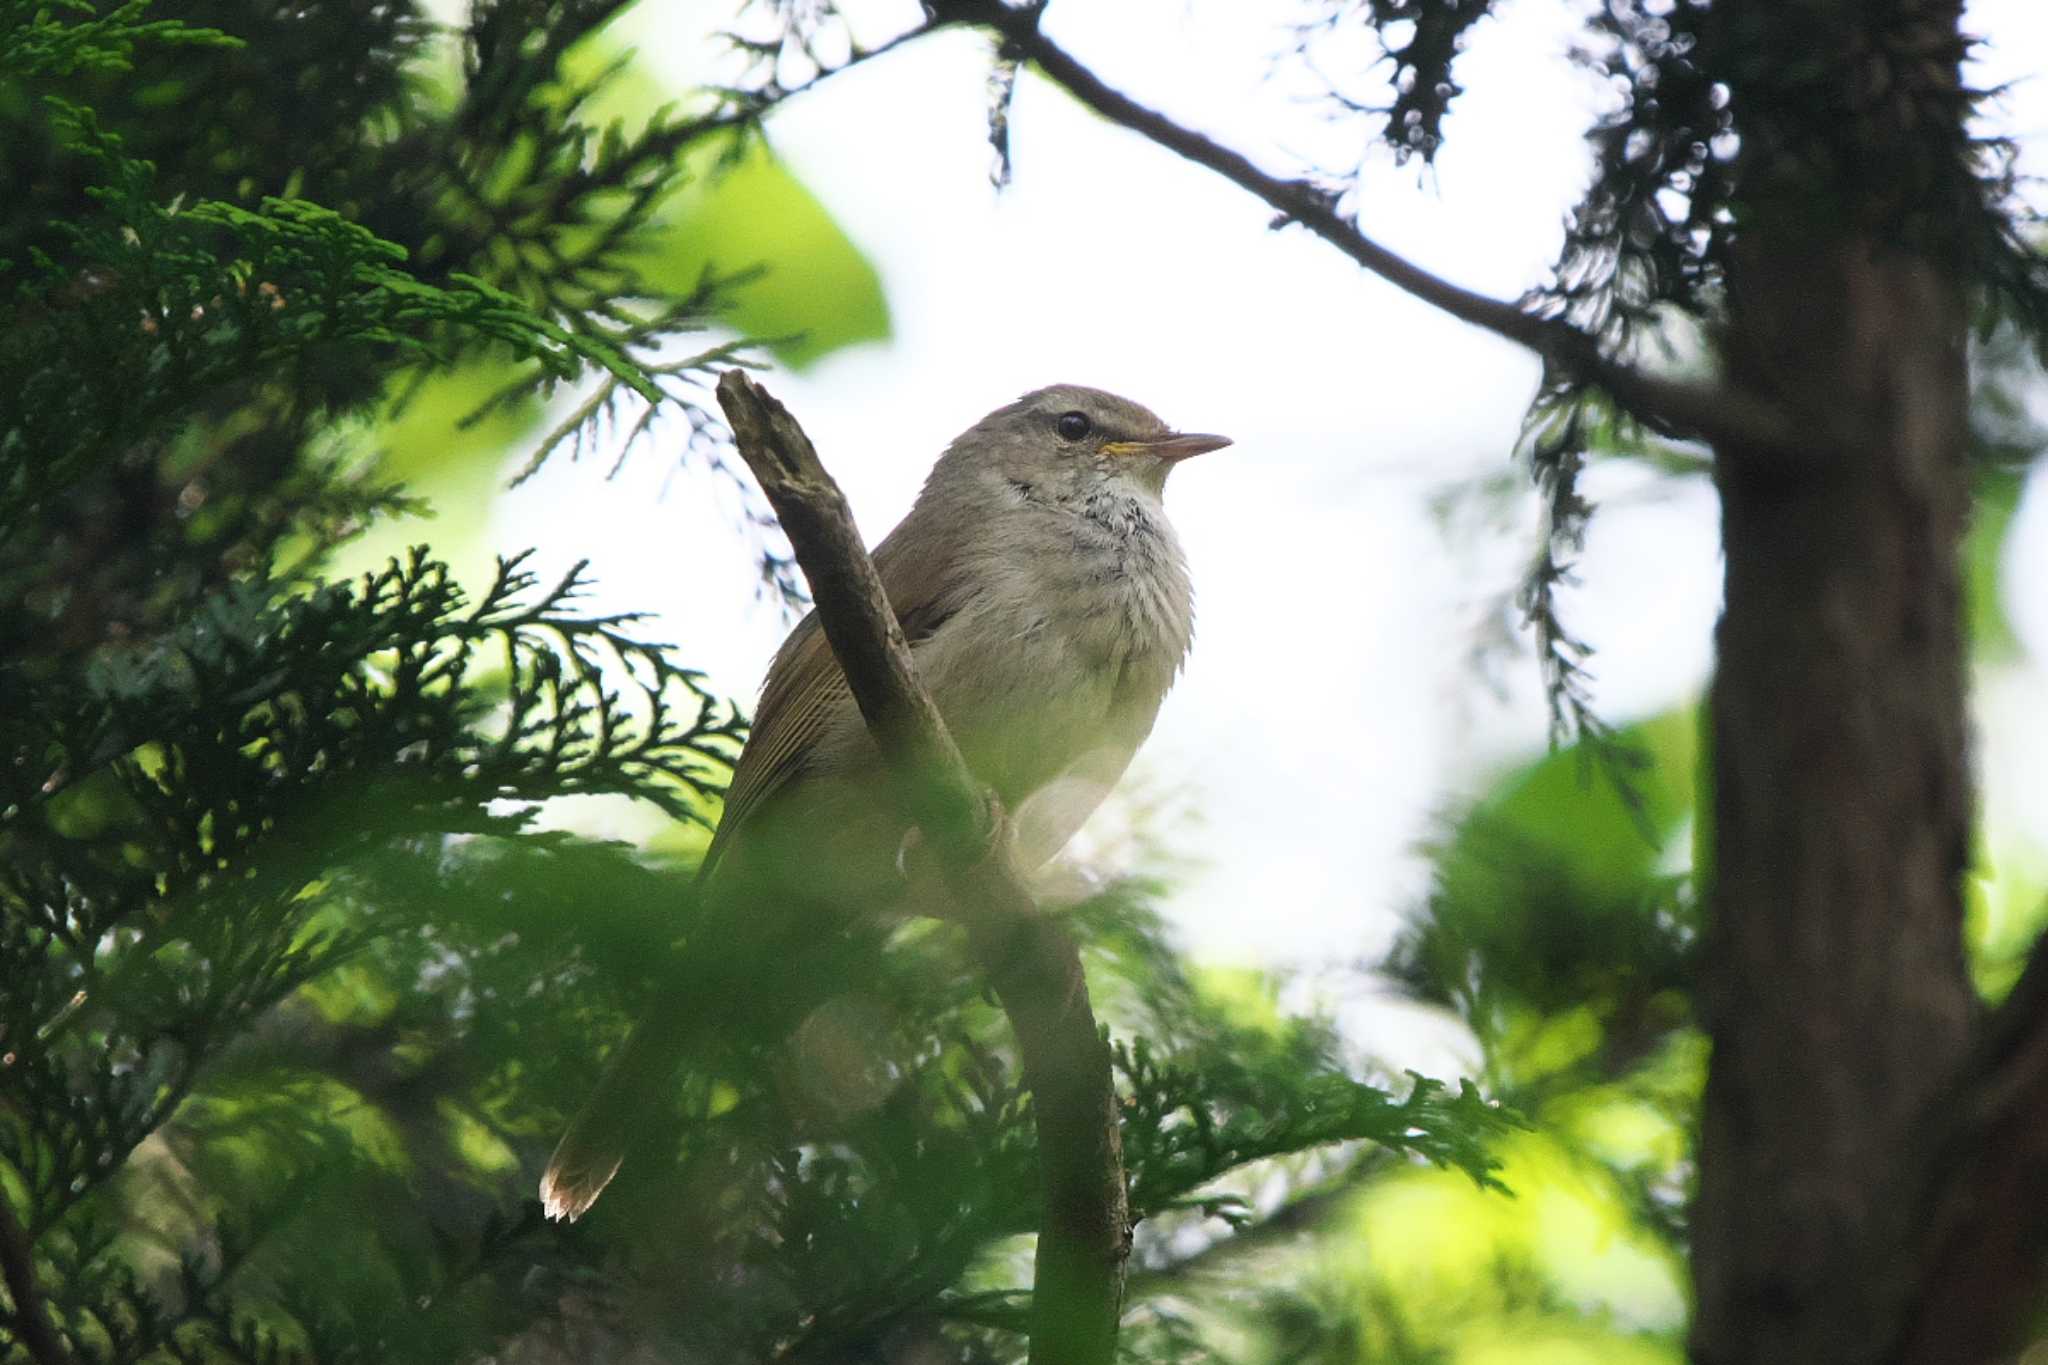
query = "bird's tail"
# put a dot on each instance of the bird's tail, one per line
(589, 1154)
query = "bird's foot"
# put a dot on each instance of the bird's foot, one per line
(908, 852)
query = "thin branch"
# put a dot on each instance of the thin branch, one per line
(1723, 415)
(31, 1315)
(1031, 961)
(1718, 413)
(854, 611)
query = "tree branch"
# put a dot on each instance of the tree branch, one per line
(1984, 1255)
(31, 1316)
(1034, 966)
(1718, 413)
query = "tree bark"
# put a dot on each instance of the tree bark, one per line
(1979, 1257)
(1834, 983)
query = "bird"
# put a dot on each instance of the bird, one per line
(1048, 608)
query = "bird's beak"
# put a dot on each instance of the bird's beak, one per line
(1171, 449)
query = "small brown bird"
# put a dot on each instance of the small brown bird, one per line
(1048, 610)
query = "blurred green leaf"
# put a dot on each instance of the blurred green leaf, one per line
(1998, 495)
(1555, 802)
(800, 284)
(1556, 931)
(454, 465)
(813, 293)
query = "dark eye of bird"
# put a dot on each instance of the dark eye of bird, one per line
(1074, 425)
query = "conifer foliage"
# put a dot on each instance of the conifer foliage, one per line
(297, 988)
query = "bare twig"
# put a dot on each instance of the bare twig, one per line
(31, 1316)
(1718, 413)
(1034, 966)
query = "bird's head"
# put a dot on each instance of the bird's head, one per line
(1068, 437)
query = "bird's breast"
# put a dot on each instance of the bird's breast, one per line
(1128, 582)
(1067, 646)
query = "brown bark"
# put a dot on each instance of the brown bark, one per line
(1834, 984)
(1979, 1259)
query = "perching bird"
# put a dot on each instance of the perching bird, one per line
(1048, 610)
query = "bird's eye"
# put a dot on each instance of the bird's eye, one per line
(1074, 425)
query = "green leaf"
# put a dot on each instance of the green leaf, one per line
(1555, 802)
(813, 293)
(455, 465)
(1549, 899)
(1991, 634)
(806, 290)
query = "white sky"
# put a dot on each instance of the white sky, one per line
(1329, 714)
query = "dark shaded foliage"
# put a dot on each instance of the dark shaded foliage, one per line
(1422, 40)
(300, 982)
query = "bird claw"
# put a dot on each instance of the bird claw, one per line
(911, 846)
(913, 840)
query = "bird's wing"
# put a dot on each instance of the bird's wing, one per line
(806, 689)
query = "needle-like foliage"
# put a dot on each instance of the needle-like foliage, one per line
(1686, 99)
(302, 973)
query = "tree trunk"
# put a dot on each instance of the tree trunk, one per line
(1834, 983)
(1833, 976)
(1871, 1163)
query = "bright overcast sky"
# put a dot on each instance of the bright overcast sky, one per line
(1329, 714)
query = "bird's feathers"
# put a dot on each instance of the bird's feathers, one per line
(804, 690)
(584, 1162)
(1039, 537)
(589, 1154)
(806, 695)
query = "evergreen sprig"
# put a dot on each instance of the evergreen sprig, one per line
(1421, 41)
(41, 43)
(187, 800)
(199, 297)
(1190, 1123)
